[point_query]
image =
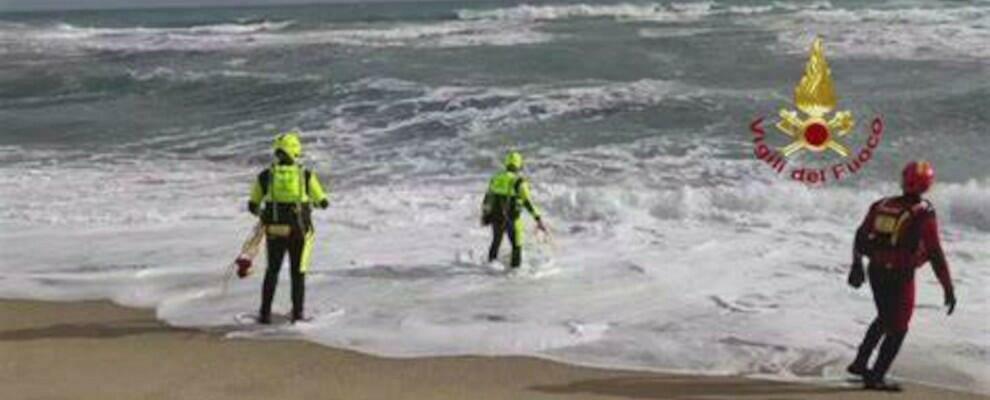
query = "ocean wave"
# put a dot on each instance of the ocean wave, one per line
(961, 205)
(381, 115)
(75, 88)
(67, 39)
(628, 11)
(493, 105)
(70, 30)
(657, 33)
(961, 33)
(643, 12)
(438, 35)
(172, 75)
(679, 197)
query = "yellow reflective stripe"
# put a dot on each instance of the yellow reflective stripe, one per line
(316, 192)
(257, 194)
(520, 228)
(895, 235)
(307, 251)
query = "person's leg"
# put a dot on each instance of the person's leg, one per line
(873, 335)
(899, 311)
(516, 238)
(498, 230)
(276, 251)
(880, 286)
(298, 277)
(892, 342)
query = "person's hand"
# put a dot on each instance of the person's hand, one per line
(950, 301)
(324, 204)
(541, 226)
(856, 275)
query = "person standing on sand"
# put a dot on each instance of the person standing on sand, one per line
(899, 234)
(508, 192)
(283, 196)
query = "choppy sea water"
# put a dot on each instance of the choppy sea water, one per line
(130, 138)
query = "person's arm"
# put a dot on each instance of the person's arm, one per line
(527, 201)
(486, 204)
(317, 194)
(933, 248)
(856, 273)
(257, 193)
(525, 197)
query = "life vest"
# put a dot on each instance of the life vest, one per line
(502, 200)
(287, 202)
(288, 184)
(894, 233)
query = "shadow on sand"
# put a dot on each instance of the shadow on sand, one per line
(673, 387)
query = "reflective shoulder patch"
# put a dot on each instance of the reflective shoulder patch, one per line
(885, 223)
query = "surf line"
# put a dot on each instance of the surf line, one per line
(816, 176)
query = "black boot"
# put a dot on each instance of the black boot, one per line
(875, 379)
(879, 384)
(873, 335)
(267, 296)
(298, 295)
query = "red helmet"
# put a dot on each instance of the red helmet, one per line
(917, 177)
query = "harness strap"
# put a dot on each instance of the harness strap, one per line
(271, 188)
(905, 215)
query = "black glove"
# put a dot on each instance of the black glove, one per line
(950, 301)
(324, 204)
(856, 275)
(253, 208)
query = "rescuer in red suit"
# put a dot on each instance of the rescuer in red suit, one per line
(899, 234)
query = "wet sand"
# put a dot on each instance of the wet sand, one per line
(96, 350)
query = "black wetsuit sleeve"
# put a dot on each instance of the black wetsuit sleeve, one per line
(263, 179)
(860, 245)
(258, 191)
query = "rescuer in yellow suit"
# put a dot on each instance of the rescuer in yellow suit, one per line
(509, 193)
(283, 196)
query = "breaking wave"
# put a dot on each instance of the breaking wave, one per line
(69, 39)
(961, 33)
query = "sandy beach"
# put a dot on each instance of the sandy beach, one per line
(96, 350)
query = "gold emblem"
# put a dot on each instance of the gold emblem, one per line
(815, 97)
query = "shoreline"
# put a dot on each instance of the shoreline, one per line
(98, 350)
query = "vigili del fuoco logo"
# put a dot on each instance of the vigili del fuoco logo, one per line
(816, 128)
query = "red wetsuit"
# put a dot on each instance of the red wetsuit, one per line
(892, 267)
(899, 234)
